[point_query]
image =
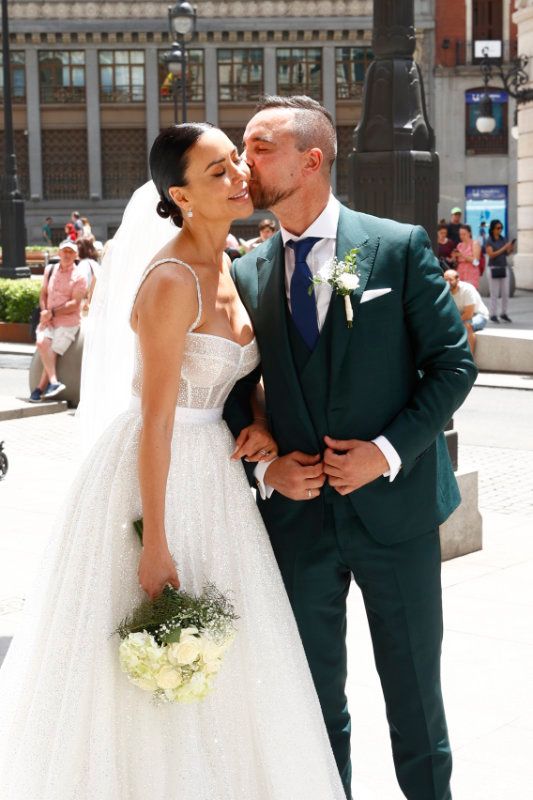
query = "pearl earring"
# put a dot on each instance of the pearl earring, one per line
(189, 213)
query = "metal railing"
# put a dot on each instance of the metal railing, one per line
(460, 53)
(487, 144)
(131, 93)
(62, 94)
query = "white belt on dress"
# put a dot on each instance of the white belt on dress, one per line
(192, 416)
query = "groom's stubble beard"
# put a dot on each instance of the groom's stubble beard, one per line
(266, 199)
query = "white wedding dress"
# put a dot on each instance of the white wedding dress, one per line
(71, 725)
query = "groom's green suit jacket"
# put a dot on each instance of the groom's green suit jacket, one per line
(401, 371)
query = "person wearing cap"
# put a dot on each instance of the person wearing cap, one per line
(454, 224)
(64, 288)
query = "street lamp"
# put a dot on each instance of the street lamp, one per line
(513, 82)
(176, 63)
(181, 23)
(11, 202)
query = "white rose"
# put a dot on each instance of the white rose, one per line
(348, 281)
(186, 651)
(168, 678)
(199, 685)
(147, 683)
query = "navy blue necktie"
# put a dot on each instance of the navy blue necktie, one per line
(303, 304)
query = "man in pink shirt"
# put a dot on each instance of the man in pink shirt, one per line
(64, 287)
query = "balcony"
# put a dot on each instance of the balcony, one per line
(460, 53)
(62, 94)
(131, 93)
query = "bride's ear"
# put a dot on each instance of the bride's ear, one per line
(179, 197)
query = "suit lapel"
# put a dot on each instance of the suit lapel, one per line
(350, 234)
(272, 328)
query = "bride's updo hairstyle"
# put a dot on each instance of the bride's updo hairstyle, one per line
(169, 162)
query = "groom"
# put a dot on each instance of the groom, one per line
(363, 479)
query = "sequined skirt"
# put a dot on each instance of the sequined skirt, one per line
(73, 728)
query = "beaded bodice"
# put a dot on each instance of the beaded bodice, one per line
(211, 364)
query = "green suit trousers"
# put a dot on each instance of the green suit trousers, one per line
(401, 589)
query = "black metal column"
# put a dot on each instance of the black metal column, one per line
(394, 169)
(11, 202)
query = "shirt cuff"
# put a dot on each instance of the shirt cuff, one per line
(264, 489)
(395, 462)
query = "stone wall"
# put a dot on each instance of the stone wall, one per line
(523, 262)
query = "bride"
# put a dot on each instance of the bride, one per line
(71, 725)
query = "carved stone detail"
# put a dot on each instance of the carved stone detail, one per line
(115, 9)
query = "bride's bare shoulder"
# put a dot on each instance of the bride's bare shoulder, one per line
(169, 290)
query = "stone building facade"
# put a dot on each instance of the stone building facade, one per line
(91, 91)
(478, 171)
(523, 261)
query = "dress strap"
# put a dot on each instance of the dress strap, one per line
(158, 263)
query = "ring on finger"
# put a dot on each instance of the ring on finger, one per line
(265, 452)
(309, 494)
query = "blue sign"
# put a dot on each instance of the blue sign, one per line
(494, 94)
(485, 203)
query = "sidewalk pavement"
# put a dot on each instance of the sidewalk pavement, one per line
(488, 613)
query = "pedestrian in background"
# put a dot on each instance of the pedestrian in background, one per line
(78, 224)
(47, 230)
(88, 266)
(70, 232)
(87, 229)
(468, 257)
(61, 295)
(446, 248)
(498, 247)
(471, 307)
(266, 229)
(455, 224)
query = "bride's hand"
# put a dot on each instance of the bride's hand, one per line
(156, 569)
(255, 443)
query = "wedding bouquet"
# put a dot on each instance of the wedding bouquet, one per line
(174, 646)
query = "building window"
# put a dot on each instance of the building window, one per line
(18, 77)
(124, 161)
(65, 164)
(300, 71)
(195, 78)
(487, 19)
(495, 143)
(351, 66)
(62, 76)
(121, 76)
(240, 74)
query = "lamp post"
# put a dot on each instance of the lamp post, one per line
(176, 63)
(394, 168)
(181, 23)
(513, 82)
(11, 202)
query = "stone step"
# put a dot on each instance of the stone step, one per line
(505, 350)
(17, 408)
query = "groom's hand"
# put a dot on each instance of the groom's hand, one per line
(297, 476)
(352, 463)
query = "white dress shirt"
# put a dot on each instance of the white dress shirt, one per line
(324, 227)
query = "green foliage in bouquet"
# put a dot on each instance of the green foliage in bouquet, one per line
(18, 298)
(174, 610)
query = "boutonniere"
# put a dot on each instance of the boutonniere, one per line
(342, 277)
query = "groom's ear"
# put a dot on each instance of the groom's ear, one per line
(313, 160)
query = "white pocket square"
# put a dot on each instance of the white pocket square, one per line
(371, 294)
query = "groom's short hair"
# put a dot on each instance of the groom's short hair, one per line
(313, 124)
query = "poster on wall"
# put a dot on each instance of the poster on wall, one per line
(484, 203)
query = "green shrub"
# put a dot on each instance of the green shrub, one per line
(18, 298)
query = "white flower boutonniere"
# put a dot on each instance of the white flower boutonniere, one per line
(342, 277)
